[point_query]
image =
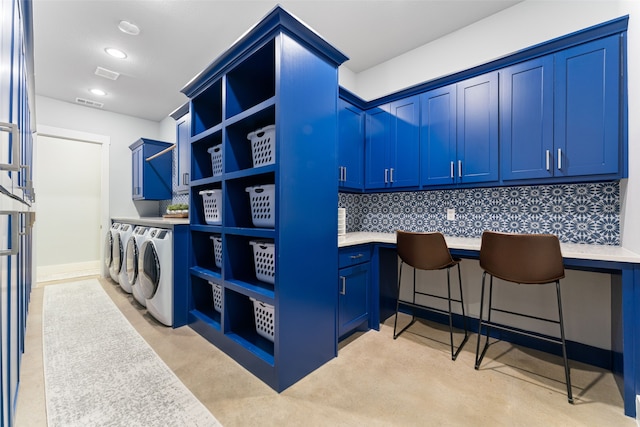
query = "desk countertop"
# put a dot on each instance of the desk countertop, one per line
(569, 250)
(153, 221)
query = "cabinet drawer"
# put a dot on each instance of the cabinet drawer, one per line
(353, 255)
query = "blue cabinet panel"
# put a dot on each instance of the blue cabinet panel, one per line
(477, 133)
(183, 164)
(151, 180)
(353, 303)
(393, 145)
(587, 108)
(438, 136)
(351, 120)
(526, 119)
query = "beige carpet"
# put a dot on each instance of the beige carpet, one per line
(375, 381)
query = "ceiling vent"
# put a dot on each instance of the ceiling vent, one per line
(107, 74)
(89, 103)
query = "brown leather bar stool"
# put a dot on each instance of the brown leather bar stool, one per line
(428, 251)
(530, 259)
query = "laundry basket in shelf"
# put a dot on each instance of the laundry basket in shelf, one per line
(264, 260)
(262, 200)
(263, 145)
(217, 249)
(217, 296)
(265, 319)
(216, 159)
(212, 202)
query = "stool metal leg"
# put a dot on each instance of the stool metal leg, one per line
(480, 356)
(413, 317)
(454, 354)
(567, 373)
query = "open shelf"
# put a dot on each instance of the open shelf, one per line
(203, 302)
(237, 202)
(206, 109)
(251, 81)
(196, 211)
(238, 155)
(239, 263)
(201, 166)
(203, 252)
(241, 325)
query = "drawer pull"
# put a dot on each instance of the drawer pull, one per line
(343, 290)
(357, 256)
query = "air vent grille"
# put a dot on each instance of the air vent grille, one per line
(107, 74)
(89, 103)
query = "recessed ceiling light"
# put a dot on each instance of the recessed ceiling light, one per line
(116, 53)
(129, 28)
(98, 92)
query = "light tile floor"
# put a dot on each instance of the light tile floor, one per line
(375, 381)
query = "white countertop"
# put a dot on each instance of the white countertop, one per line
(153, 221)
(569, 250)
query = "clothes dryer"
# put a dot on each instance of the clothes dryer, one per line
(119, 244)
(109, 243)
(155, 270)
(129, 272)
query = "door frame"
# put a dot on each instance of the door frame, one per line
(104, 141)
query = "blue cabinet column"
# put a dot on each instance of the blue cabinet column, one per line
(477, 133)
(351, 120)
(526, 120)
(587, 108)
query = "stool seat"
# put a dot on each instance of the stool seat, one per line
(428, 251)
(529, 259)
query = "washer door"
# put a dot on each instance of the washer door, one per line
(108, 250)
(117, 255)
(148, 270)
(131, 261)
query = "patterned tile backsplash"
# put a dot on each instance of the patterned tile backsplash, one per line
(576, 213)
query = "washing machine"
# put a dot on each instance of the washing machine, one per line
(119, 243)
(108, 248)
(129, 272)
(155, 274)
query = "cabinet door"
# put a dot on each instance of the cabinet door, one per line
(136, 171)
(377, 143)
(587, 108)
(353, 305)
(477, 122)
(350, 146)
(404, 143)
(183, 165)
(526, 119)
(438, 136)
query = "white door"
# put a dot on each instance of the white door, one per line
(69, 192)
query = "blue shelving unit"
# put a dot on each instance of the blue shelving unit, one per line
(268, 77)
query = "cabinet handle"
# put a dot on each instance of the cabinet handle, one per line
(459, 168)
(340, 174)
(344, 173)
(548, 159)
(185, 179)
(386, 172)
(343, 289)
(452, 170)
(15, 146)
(559, 158)
(15, 234)
(357, 256)
(391, 175)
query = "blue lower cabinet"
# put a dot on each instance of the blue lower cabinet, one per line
(354, 288)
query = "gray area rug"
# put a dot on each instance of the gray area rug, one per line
(100, 372)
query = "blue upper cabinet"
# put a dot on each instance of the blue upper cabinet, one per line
(351, 121)
(183, 158)
(151, 179)
(526, 119)
(587, 109)
(393, 145)
(477, 129)
(438, 136)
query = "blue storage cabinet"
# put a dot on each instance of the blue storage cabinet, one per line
(182, 165)
(438, 152)
(16, 220)
(267, 78)
(151, 180)
(393, 145)
(351, 120)
(560, 114)
(354, 289)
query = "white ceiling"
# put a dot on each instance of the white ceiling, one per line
(179, 38)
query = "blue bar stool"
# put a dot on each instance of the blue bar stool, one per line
(530, 259)
(428, 251)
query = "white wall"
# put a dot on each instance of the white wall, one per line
(122, 131)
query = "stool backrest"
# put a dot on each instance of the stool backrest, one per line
(424, 251)
(522, 258)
